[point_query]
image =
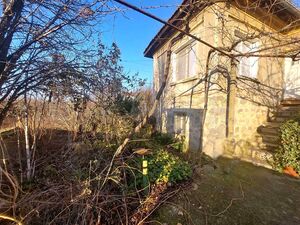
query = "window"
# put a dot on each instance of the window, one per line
(185, 61)
(248, 66)
(161, 61)
(180, 123)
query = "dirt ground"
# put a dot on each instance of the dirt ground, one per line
(234, 193)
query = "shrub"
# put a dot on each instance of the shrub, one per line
(163, 167)
(163, 138)
(179, 144)
(288, 153)
(167, 168)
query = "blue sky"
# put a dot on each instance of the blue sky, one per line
(133, 31)
(296, 2)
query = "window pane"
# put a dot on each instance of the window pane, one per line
(181, 67)
(180, 123)
(161, 67)
(192, 61)
(248, 66)
(253, 62)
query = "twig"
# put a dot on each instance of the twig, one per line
(10, 219)
(231, 202)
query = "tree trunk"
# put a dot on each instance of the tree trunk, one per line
(27, 144)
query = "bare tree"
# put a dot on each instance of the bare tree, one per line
(31, 32)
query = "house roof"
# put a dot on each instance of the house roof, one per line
(285, 10)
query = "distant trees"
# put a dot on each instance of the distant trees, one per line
(36, 37)
(97, 98)
(98, 91)
(45, 58)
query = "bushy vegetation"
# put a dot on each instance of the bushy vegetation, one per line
(68, 105)
(164, 138)
(72, 134)
(288, 153)
(163, 168)
(160, 140)
(164, 165)
(75, 178)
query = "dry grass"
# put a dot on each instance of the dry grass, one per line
(69, 186)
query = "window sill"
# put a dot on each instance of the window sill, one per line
(186, 80)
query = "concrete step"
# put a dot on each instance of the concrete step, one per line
(287, 113)
(289, 108)
(268, 146)
(264, 145)
(262, 157)
(270, 138)
(290, 102)
(280, 119)
(269, 128)
(257, 156)
(272, 124)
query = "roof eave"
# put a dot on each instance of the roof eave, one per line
(165, 30)
(149, 49)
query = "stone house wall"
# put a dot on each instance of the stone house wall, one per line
(254, 99)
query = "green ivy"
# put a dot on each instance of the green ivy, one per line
(163, 167)
(179, 144)
(167, 168)
(288, 153)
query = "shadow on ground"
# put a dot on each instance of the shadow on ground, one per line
(234, 193)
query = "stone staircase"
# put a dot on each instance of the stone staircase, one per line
(259, 151)
(268, 133)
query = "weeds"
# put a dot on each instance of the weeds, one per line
(288, 153)
(68, 184)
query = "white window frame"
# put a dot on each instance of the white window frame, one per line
(182, 118)
(161, 59)
(188, 48)
(248, 66)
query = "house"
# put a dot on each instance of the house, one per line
(228, 93)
